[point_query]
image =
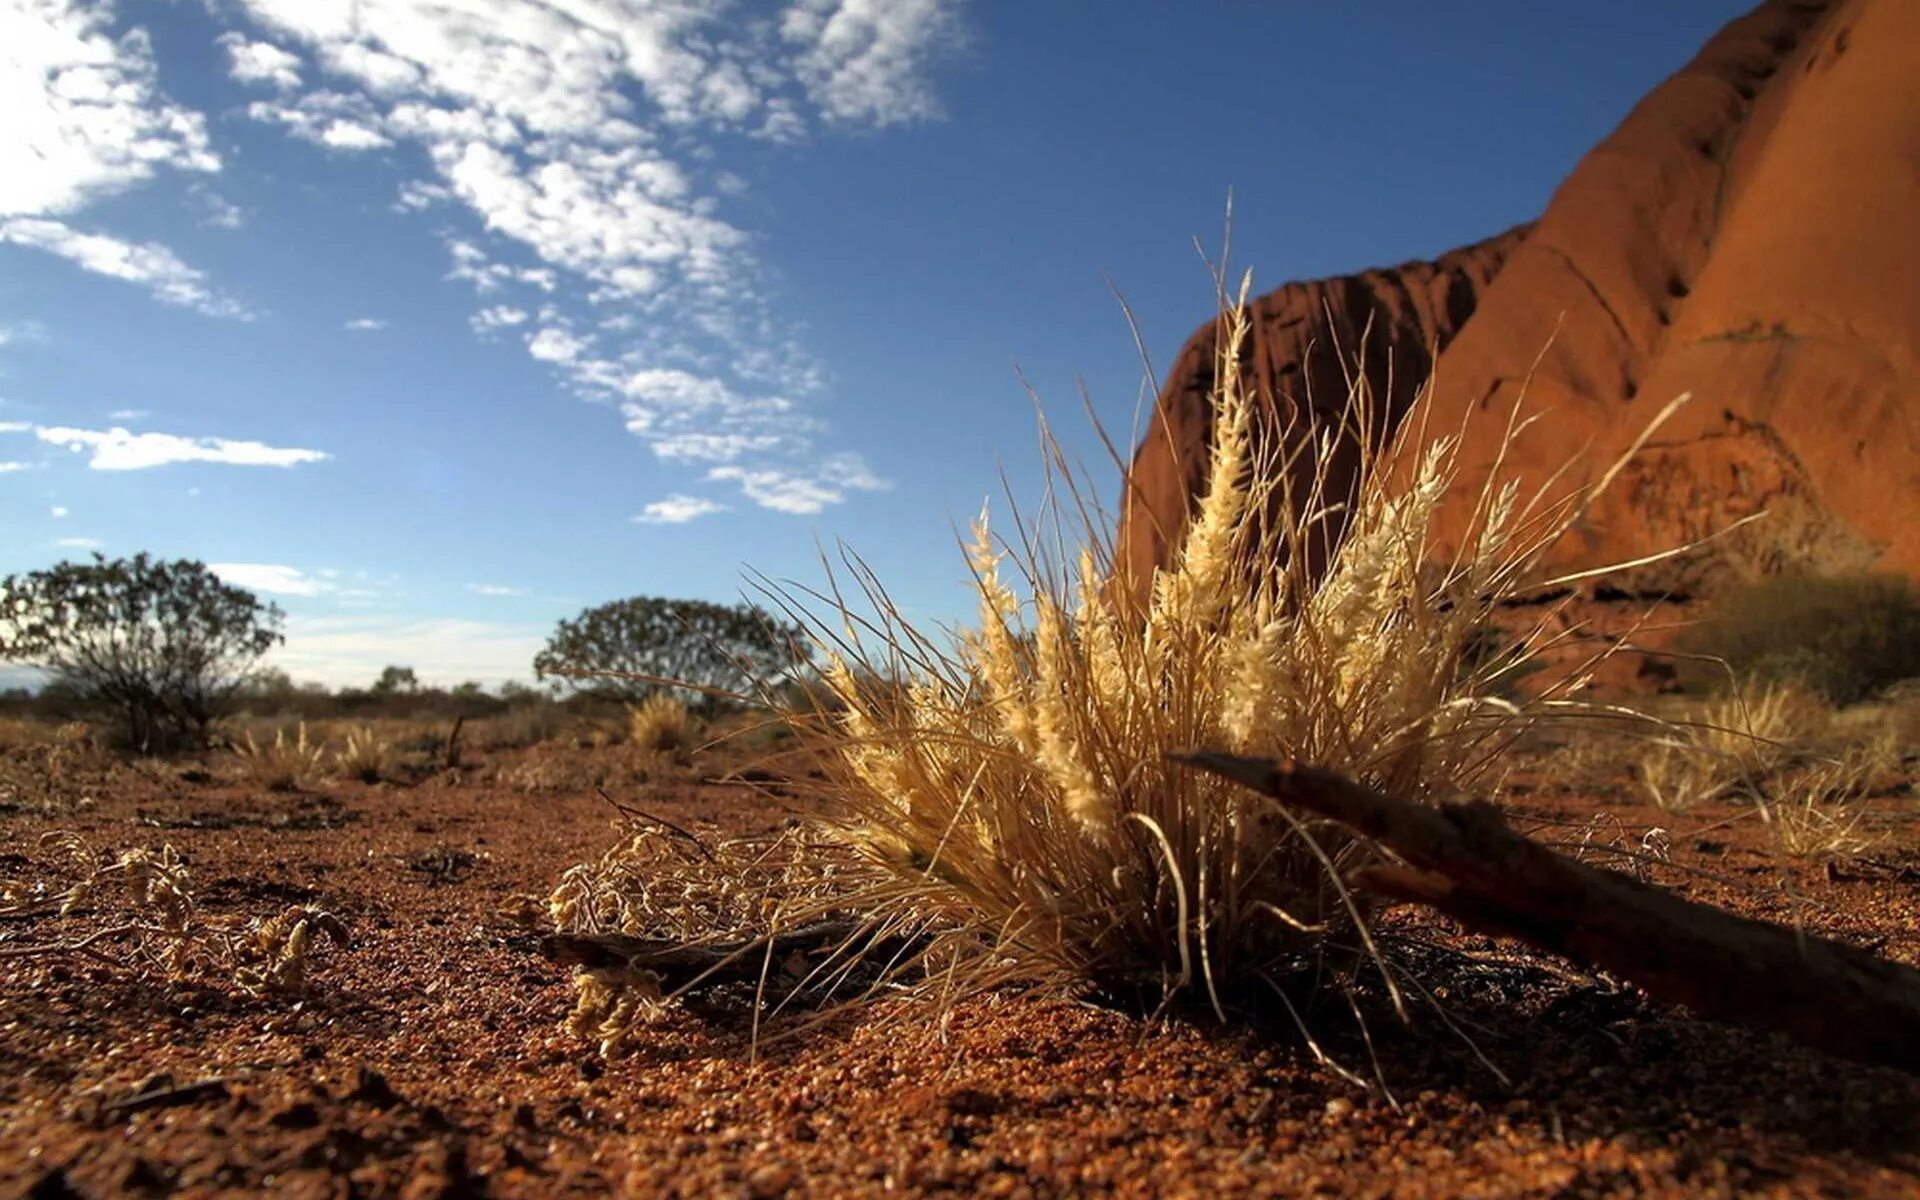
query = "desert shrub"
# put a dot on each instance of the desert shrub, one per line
(281, 765)
(365, 755)
(1849, 637)
(624, 649)
(660, 725)
(160, 647)
(1014, 793)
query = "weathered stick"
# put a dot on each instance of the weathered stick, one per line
(1464, 860)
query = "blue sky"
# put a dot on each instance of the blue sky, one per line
(435, 322)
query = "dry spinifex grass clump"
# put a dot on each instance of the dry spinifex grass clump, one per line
(660, 725)
(1013, 793)
(1018, 787)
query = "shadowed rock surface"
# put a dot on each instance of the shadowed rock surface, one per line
(1748, 234)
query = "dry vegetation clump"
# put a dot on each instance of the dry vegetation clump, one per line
(139, 913)
(669, 883)
(1803, 766)
(282, 765)
(366, 756)
(49, 767)
(1015, 793)
(661, 725)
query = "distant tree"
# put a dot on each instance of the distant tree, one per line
(730, 647)
(160, 646)
(396, 681)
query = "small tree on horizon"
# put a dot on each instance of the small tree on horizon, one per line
(730, 648)
(161, 647)
(396, 681)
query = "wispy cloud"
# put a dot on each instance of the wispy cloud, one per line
(678, 510)
(498, 316)
(250, 61)
(58, 511)
(22, 332)
(803, 492)
(581, 138)
(128, 414)
(9, 467)
(867, 61)
(495, 589)
(274, 578)
(78, 543)
(148, 264)
(365, 325)
(85, 117)
(118, 449)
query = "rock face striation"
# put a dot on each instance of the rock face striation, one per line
(1750, 234)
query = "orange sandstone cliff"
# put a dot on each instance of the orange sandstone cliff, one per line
(1750, 234)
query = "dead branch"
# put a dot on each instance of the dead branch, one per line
(1465, 861)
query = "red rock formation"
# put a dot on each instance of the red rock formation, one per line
(1749, 234)
(1302, 341)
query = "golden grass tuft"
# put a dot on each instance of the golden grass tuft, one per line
(282, 765)
(366, 756)
(1017, 786)
(660, 725)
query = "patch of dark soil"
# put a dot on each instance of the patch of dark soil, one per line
(444, 865)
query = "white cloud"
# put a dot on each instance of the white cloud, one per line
(678, 510)
(274, 578)
(711, 447)
(78, 543)
(580, 134)
(497, 316)
(217, 210)
(117, 449)
(495, 589)
(84, 114)
(15, 426)
(58, 511)
(365, 325)
(555, 345)
(261, 62)
(331, 119)
(867, 61)
(789, 491)
(148, 264)
(128, 414)
(8, 468)
(342, 650)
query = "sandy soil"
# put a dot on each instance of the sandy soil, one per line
(427, 1058)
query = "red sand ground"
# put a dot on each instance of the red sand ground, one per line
(427, 1059)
